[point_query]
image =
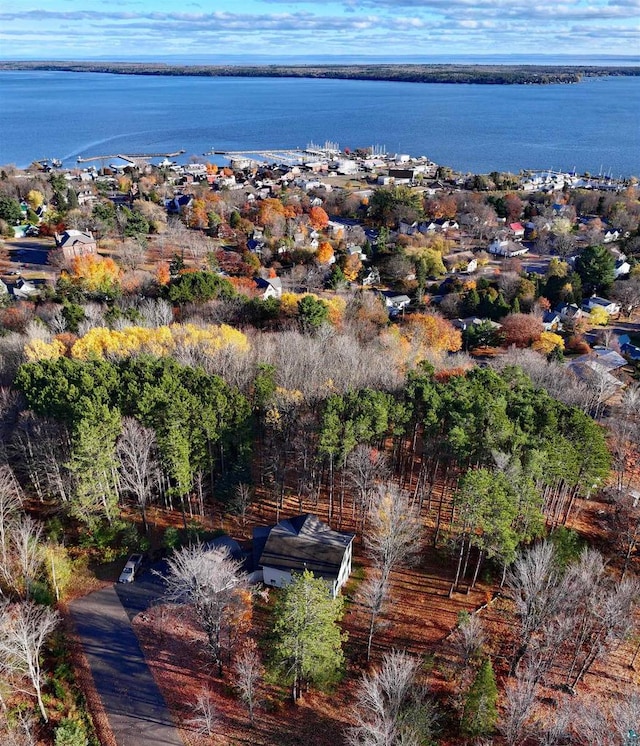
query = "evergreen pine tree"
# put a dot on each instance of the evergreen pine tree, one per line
(309, 647)
(480, 709)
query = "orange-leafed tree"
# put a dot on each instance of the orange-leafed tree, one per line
(521, 329)
(270, 211)
(352, 267)
(163, 275)
(431, 331)
(318, 218)
(95, 272)
(325, 253)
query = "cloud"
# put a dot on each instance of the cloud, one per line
(346, 26)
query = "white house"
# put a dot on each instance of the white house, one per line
(622, 267)
(611, 235)
(611, 307)
(301, 543)
(462, 261)
(271, 287)
(507, 248)
(569, 312)
(394, 302)
(23, 289)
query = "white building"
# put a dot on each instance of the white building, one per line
(302, 543)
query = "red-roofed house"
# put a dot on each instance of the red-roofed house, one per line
(517, 230)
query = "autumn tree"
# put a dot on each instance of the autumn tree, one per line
(324, 255)
(548, 343)
(95, 273)
(521, 329)
(318, 218)
(427, 331)
(308, 648)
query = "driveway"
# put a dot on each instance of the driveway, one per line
(135, 708)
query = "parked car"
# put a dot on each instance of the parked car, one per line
(129, 571)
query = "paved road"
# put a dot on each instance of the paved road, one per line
(135, 708)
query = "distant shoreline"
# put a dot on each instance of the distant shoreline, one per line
(423, 73)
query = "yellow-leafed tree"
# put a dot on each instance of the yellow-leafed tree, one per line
(548, 342)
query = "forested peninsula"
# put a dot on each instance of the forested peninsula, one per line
(476, 74)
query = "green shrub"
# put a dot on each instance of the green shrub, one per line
(71, 733)
(171, 538)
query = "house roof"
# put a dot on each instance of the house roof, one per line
(604, 302)
(592, 372)
(631, 351)
(274, 282)
(73, 236)
(304, 542)
(606, 357)
(225, 542)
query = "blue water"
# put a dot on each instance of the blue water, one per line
(592, 126)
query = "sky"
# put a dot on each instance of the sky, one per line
(129, 29)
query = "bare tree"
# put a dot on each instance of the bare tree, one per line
(210, 581)
(394, 538)
(395, 530)
(625, 714)
(374, 593)
(138, 465)
(41, 449)
(133, 253)
(20, 731)
(624, 428)
(602, 612)
(26, 554)
(390, 709)
(11, 499)
(533, 581)
(363, 467)
(518, 708)
(627, 525)
(205, 715)
(468, 638)
(156, 312)
(555, 730)
(248, 673)
(241, 500)
(24, 630)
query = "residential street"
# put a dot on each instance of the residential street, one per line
(134, 705)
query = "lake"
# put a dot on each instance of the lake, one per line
(591, 126)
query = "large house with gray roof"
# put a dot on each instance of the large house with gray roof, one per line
(301, 543)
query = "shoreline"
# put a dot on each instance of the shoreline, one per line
(395, 73)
